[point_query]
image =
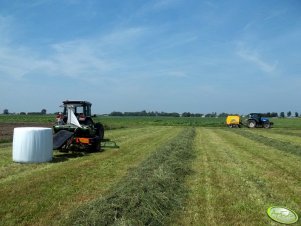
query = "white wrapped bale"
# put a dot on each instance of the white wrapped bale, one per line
(32, 144)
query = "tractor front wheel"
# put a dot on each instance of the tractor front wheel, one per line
(266, 125)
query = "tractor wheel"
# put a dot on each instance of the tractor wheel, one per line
(88, 122)
(266, 125)
(100, 131)
(95, 147)
(251, 124)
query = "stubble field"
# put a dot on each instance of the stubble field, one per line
(164, 173)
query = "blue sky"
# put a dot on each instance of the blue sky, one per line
(235, 56)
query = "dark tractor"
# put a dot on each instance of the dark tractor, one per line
(75, 129)
(257, 120)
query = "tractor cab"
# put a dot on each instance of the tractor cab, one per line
(75, 127)
(255, 116)
(81, 109)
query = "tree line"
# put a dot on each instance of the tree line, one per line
(172, 114)
(188, 114)
(156, 113)
(42, 112)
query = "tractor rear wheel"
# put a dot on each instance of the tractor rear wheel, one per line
(251, 124)
(100, 131)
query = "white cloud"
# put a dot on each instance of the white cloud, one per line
(17, 62)
(94, 57)
(123, 36)
(255, 57)
(82, 58)
(78, 58)
(272, 14)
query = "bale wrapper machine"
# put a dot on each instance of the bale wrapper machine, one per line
(75, 129)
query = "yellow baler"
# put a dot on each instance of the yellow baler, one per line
(233, 121)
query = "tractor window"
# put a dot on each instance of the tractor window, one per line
(80, 110)
(88, 111)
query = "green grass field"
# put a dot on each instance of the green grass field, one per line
(125, 122)
(168, 172)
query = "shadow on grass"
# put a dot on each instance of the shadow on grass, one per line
(65, 156)
(62, 157)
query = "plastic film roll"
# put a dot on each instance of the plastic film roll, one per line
(32, 144)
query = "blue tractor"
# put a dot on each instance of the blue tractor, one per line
(257, 120)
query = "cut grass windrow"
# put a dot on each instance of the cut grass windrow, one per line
(236, 179)
(45, 193)
(295, 133)
(149, 193)
(277, 144)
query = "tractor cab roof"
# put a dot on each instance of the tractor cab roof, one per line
(254, 114)
(78, 106)
(76, 103)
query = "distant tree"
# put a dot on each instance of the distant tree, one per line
(198, 115)
(34, 113)
(44, 111)
(22, 113)
(282, 115)
(289, 114)
(274, 114)
(223, 114)
(152, 113)
(174, 114)
(5, 112)
(212, 115)
(296, 114)
(116, 113)
(186, 114)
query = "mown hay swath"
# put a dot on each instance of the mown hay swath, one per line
(149, 193)
(280, 145)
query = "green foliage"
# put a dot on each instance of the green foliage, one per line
(27, 118)
(122, 122)
(287, 123)
(282, 115)
(114, 122)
